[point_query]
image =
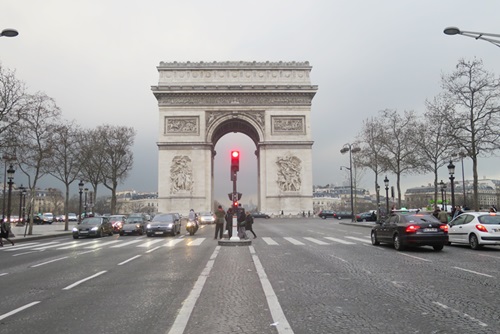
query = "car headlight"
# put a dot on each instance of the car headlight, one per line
(190, 224)
(148, 226)
(75, 229)
(95, 228)
(138, 226)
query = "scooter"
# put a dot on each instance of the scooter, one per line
(192, 227)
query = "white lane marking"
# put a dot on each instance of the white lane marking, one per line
(316, 241)
(126, 243)
(100, 245)
(132, 258)
(196, 242)
(89, 251)
(415, 257)
(293, 241)
(153, 249)
(465, 315)
(188, 305)
(17, 246)
(57, 245)
(71, 286)
(150, 243)
(360, 239)
(340, 241)
(473, 272)
(3, 274)
(24, 253)
(269, 241)
(44, 263)
(14, 248)
(279, 317)
(174, 242)
(78, 244)
(3, 316)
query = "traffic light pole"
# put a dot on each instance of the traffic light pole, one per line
(234, 235)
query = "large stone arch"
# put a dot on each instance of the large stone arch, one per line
(201, 102)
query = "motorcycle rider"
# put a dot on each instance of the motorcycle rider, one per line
(192, 217)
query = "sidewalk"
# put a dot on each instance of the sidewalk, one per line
(40, 231)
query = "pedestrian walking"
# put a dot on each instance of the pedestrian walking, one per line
(241, 223)
(220, 215)
(443, 216)
(229, 222)
(4, 233)
(249, 224)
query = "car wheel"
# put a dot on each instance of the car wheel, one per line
(323, 217)
(438, 248)
(110, 233)
(375, 242)
(149, 235)
(397, 243)
(99, 233)
(473, 242)
(75, 237)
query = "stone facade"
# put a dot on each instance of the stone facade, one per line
(200, 102)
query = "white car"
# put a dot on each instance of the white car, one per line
(475, 229)
(206, 218)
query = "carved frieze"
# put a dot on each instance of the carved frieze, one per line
(181, 175)
(288, 173)
(257, 115)
(178, 125)
(174, 99)
(288, 125)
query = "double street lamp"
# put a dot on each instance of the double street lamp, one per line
(443, 195)
(492, 38)
(10, 176)
(451, 171)
(348, 148)
(386, 183)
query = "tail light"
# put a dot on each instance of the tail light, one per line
(444, 228)
(481, 228)
(412, 228)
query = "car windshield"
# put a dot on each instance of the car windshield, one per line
(489, 219)
(115, 219)
(164, 218)
(91, 221)
(133, 220)
(205, 214)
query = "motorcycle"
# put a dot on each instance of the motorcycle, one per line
(192, 227)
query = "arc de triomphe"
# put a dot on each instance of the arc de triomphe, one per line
(200, 102)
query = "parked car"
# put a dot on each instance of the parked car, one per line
(370, 216)
(327, 214)
(475, 229)
(72, 217)
(206, 218)
(93, 227)
(117, 221)
(164, 223)
(343, 214)
(406, 228)
(260, 215)
(133, 225)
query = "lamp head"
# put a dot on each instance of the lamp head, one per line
(452, 31)
(386, 181)
(10, 172)
(9, 33)
(451, 168)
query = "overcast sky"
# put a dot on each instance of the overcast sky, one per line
(98, 58)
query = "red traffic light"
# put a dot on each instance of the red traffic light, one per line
(235, 204)
(235, 161)
(235, 154)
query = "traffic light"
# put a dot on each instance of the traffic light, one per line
(235, 204)
(235, 161)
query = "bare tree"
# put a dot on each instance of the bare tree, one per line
(474, 97)
(34, 140)
(435, 142)
(65, 165)
(12, 101)
(399, 144)
(92, 160)
(116, 144)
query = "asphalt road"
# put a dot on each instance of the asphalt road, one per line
(298, 276)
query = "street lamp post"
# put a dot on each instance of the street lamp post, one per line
(442, 185)
(10, 176)
(451, 171)
(80, 190)
(20, 221)
(24, 206)
(492, 38)
(86, 190)
(348, 148)
(6, 158)
(377, 187)
(386, 182)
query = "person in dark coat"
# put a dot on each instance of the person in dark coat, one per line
(229, 222)
(249, 224)
(4, 234)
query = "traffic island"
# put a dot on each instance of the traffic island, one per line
(227, 242)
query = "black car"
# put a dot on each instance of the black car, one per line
(343, 215)
(327, 214)
(93, 227)
(370, 216)
(406, 228)
(260, 215)
(164, 223)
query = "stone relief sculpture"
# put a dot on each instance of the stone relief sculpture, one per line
(286, 124)
(289, 168)
(181, 174)
(182, 125)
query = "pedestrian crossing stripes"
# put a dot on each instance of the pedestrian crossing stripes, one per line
(148, 243)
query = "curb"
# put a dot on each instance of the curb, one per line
(26, 238)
